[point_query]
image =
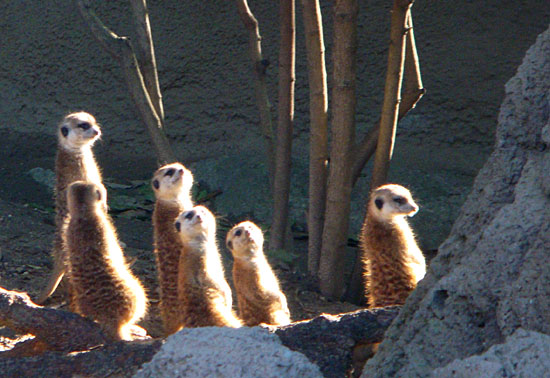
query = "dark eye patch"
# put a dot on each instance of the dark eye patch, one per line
(189, 215)
(379, 203)
(399, 200)
(238, 232)
(170, 172)
(64, 131)
(84, 125)
(156, 184)
(178, 226)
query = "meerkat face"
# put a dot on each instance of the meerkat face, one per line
(78, 130)
(244, 240)
(172, 181)
(85, 196)
(390, 201)
(196, 224)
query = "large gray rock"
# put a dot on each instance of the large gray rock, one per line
(491, 275)
(227, 352)
(524, 354)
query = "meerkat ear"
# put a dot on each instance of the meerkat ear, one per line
(156, 184)
(65, 131)
(379, 203)
(98, 194)
(230, 245)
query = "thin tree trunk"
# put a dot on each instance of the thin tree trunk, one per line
(392, 92)
(121, 49)
(281, 186)
(414, 90)
(335, 230)
(145, 55)
(318, 141)
(259, 66)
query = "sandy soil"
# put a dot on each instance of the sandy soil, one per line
(51, 65)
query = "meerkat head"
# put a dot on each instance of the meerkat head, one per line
(245, 240)
(390, 201)
(196, 224)
(172, 182)
(85, 196)
(78, 130)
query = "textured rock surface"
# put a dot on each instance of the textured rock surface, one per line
(519, 356)
(227, 352)
(490, 276)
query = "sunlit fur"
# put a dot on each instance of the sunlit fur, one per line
(204, 295)
(173, 193)
(74, 161)
(103, 286)
(259, 297)
(393, 262)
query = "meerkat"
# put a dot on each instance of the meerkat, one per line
(259, 297)
(74, 161)
(393, 262)
(103, 287)
(204, 295)
(172, 186)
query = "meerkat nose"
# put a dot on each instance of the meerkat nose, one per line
(178, 226)
(414, 210)
(95, 131)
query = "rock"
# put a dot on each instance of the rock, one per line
(524, 354)
(43, 176)
(227, 352)
(490, 276)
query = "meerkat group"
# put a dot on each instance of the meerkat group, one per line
(193, 288)
(191, 278)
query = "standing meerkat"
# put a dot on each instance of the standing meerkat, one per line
(74, 161)
(394, 263)
(204, 295)
(172, 186)
(103, 287)
(259, 297)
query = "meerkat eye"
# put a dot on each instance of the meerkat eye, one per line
(238, 232)
(379, 203)
(170, 172)
(84, 125)
(189, 215)
(399, 200)
(156, 184)
(64, 131)
(178, 226)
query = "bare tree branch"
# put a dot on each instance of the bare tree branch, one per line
(411, 95)
(259, 67)
(121, 49)
(392, 92)
(145, 55)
